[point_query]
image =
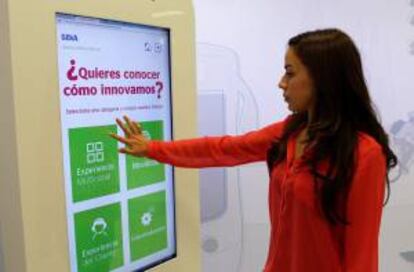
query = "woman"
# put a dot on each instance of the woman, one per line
(328, 161)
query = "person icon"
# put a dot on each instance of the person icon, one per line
(99, 227)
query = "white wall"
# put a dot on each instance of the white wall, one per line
(256, 33)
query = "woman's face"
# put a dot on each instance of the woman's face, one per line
(297, 85)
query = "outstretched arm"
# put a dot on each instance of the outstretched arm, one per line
(201, 152)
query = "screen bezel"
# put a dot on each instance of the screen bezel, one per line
(173, 194)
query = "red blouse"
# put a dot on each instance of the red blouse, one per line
(301, 238)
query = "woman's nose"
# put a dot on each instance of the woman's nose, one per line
(282, 84)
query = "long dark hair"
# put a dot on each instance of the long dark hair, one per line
(343, 108)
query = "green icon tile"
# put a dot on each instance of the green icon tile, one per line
(143, 171)
(94, 162)
(147, 225)
(98, 235)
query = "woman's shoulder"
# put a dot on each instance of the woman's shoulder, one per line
(367, 144)
(276, 128)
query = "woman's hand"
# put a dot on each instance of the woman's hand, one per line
(136, 144)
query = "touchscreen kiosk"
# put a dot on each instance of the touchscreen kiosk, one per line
(107, 69)
(69, 200)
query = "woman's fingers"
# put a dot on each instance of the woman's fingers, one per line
(120, 138)
(123, 127)
(125, 150)
(131, 125)
(135, 142)
(137, 127)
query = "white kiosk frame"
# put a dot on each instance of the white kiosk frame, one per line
(33, 224)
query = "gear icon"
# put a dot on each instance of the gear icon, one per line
(146, 219)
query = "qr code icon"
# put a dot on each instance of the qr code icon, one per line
(95, 152)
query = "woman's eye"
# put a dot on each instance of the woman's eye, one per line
(289, 74)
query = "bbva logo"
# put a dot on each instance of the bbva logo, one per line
(69, 37)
